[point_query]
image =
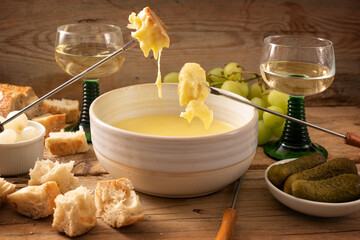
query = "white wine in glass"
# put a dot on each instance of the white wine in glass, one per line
(297, 78)
(75, 58)
(299, 66)
(78, 47)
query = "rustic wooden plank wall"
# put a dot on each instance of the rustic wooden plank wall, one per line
(211, 33)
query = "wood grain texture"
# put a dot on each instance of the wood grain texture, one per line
(211, 33)
(260, 216)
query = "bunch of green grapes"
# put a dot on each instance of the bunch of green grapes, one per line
(232, 78)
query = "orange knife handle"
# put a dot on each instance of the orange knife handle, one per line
(352, 139)
(227, 225)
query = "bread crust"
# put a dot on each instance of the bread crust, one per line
(52, 123)
(66, 143)
(56, 106)
(154, 19)
(6, 188)
(16, 98)
(10, 101)
(35, 201)
(117, 203)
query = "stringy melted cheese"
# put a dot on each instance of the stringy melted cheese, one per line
(193, 92)
(151, 33)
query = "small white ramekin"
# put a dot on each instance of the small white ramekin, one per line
(18, 158)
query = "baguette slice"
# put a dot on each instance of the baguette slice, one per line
(66, 143)
(16, 98)
(117, 203)
(66, 106)
(47, 170)
(35, 201)
(75, 212)
(5, 189)
(52, 123)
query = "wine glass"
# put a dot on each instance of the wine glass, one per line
(299, 66)
(79, 46)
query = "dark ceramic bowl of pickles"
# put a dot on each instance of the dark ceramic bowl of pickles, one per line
(311, 190)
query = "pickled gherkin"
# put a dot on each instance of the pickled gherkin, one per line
(328, 169)
(279, 173)
(342, 188)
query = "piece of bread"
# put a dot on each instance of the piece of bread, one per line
(151, 32)
(5, 189)
(75, 212)
(35, 201)
(16, 98)
(66, 143)
(52, 123)
(117, 203)
(47, 170)
(66, 106)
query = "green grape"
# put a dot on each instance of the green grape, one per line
(244, 89)
(278, 99)
(264, 133)
(232, 71)
(259, 102)
(218, 85)
(231, 86)
(172, 77)
(216, 75)
(277, 132)
(265, 96)
(263, 88)
(255, 90)
(271, 120)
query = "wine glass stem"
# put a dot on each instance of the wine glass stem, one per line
(90, 93)
(296, 134)
(295, 141)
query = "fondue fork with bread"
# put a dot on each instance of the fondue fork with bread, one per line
(150, 32)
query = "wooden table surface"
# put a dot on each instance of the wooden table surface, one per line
(260, 216)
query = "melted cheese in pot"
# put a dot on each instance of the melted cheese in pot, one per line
(151, 33)
(193, 92)
(171, 125)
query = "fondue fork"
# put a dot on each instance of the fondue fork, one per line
(350, 138)
(127, 46)
(229, 217)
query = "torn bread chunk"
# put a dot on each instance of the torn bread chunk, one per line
(151, 33)
(66, 143)
(117, 203)
(14, 98)
(35, 201)
(47, 170)
(75, 212)
(63, 106)
(6, 188)
(52, 123)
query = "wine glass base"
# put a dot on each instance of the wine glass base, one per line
(278, 150)
(86, 128)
